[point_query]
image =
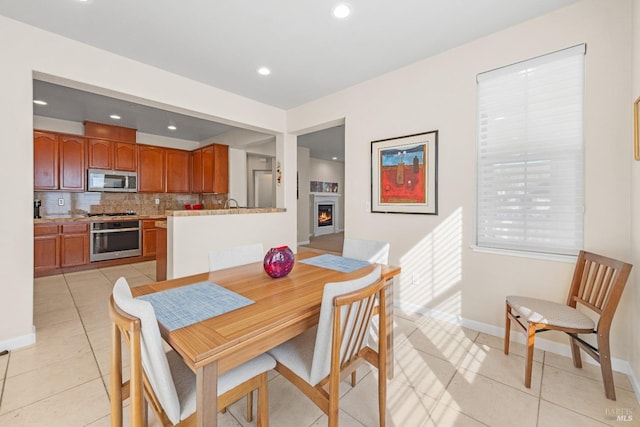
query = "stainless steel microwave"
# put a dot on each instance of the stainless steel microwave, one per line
(110, 180)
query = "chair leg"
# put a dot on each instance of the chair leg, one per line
(115, 388)
(605, 367)
(250, 406)
(531, 336)
(263, 402)
(382, 396)
(507, 329)
(575, 353)
(353, 379)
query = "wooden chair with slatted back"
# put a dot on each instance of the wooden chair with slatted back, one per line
(318, 359)
(597, 285)
(168, 385)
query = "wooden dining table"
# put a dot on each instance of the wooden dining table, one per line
(283, 308)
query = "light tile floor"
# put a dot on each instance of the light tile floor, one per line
(445, 375)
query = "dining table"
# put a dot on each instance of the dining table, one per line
(278, 310)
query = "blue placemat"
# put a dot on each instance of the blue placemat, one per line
(334, 262)
(186, 305)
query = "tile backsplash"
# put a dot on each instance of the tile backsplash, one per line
(141, 203)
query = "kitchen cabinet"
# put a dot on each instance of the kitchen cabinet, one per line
(74, 244)
(149, 235)
(46, 247)
(109, 132)
(125, 156)
(106, 154)
(210, 169)
(151, 169)
(177, 167)
(196, 171)
(45, 161)
(161, 253)
(59, 161)
(60, 245)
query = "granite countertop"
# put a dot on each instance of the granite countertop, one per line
(174, 213)
(232, 211)
(85, 218)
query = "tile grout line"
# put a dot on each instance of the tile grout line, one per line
(84, 328)
(544, 359)
(4, 377)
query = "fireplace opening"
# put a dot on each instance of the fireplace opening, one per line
(325, 215)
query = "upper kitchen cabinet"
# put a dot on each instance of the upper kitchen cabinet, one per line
(177, 171)
(59, 161)
(110, 132)
(210, 169)
(106, 154)
(111, 147)
(151, 169)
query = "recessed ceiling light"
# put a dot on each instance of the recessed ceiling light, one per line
(334, 158)
(341, 11)
(171, 127)
(264, 71)
(115, 117)
(39, 102)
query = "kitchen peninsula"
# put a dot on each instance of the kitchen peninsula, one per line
(191, 234)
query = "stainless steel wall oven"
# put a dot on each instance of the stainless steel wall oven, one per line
(115, 239)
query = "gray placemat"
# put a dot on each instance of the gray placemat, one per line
(179, 307)
(334, 262)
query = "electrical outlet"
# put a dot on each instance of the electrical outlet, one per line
(157, 201)
(60, 202)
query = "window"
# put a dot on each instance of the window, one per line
(530, 159)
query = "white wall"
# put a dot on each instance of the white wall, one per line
(304, 213)
(238, 176)
(192, 237)
(36, 51)
(634, 292)
(440, 270)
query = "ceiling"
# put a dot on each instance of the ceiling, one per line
(311, 54)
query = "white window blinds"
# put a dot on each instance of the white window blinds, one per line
(530, 160)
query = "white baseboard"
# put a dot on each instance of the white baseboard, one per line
(306, 242)
(18, 342)
(617, 364)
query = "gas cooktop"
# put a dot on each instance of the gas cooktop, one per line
(128, 213)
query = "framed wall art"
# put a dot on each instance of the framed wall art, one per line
(404, 174)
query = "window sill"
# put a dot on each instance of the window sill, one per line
(523, 254)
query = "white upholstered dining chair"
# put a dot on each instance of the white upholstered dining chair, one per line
(220, 259)
(366, 250)
(316, 360)
(373, 251)
(167, 383)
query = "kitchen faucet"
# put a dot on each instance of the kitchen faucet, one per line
(226, 204)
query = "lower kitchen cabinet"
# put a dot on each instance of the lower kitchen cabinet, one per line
(57, 246)
(149, 235)
(74, 245)
(46, 247)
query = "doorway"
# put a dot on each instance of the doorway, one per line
(321, 172)
(263, 188)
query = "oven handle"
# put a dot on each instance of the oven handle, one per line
(116, 230)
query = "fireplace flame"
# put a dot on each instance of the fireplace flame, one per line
(324, 217)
